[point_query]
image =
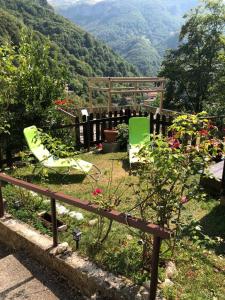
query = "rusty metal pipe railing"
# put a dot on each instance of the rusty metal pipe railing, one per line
(158, 232)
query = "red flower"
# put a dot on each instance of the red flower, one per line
(97, 192)
(174, 143)
(60, 102)
(184, 199)
(99, 146)
(204, 132)
(57, 102)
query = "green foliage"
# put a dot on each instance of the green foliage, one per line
(77, 50)
(215, 105)
(55, 145)
(127, 259)
(194, 232)
(197, 66)
(29, 81)
(169, 177)
(200, 271)
(139, 30)
(25, 205)
(123, 134)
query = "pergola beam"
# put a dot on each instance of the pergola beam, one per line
(133, 91)
(94, 82)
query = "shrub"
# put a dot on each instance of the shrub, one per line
(123, 135)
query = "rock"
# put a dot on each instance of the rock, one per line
(167, 283)
(145, 295)
(129, 237)
(171, 270)
(138, 297)
(76, 215)
(61, 248)
(146, 284)
(93, 222)
(62, 210)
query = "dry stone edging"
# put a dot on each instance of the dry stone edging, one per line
(82, 273)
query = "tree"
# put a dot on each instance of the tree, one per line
(30, 79)
(217, 90)
(192, 69)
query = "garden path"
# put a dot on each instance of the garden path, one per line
(23, 278)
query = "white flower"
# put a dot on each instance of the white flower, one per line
(77, 215)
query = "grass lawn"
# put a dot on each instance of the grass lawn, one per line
(201, 268)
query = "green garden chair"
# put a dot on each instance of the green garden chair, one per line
(139, 133)
(47, 160)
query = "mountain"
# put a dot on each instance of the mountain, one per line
(82, 54)
(139, 30)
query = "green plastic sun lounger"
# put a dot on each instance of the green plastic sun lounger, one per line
(139, 133)
(47, 160)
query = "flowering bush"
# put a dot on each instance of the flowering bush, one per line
(107, 199)
(169, 178)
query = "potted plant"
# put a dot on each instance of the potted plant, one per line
(110, 135)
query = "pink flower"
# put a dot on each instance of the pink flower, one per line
(203, 132)
(184, 199)
(99, 146)
(97, 192)
(210, 126)
(174, 143)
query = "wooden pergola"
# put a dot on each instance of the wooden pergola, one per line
(126, 85)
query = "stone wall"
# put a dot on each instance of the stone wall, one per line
(80, 272)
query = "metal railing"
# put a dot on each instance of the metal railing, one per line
(158, 232)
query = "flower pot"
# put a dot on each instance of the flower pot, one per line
(110, 147)
(46, 219)
(110, 135)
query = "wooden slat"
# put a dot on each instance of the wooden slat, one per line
(77, 132)
(157, 126)
(97, 128)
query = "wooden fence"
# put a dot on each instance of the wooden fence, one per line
(89, 131)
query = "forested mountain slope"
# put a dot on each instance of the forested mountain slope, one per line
(78, 50)
(139, 30)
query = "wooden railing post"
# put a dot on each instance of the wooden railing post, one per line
(1, 202)
(88, 132)
(54, 223)
(154, 267)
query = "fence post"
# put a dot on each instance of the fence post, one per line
(97, 129)
(91, 128)
(1, 202)
(154, 267)
(54, 223)
(152, 123)
(77, 133)
(157, 127)
(88, 131)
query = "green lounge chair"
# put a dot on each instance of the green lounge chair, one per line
(47, 160)
(139, 133)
